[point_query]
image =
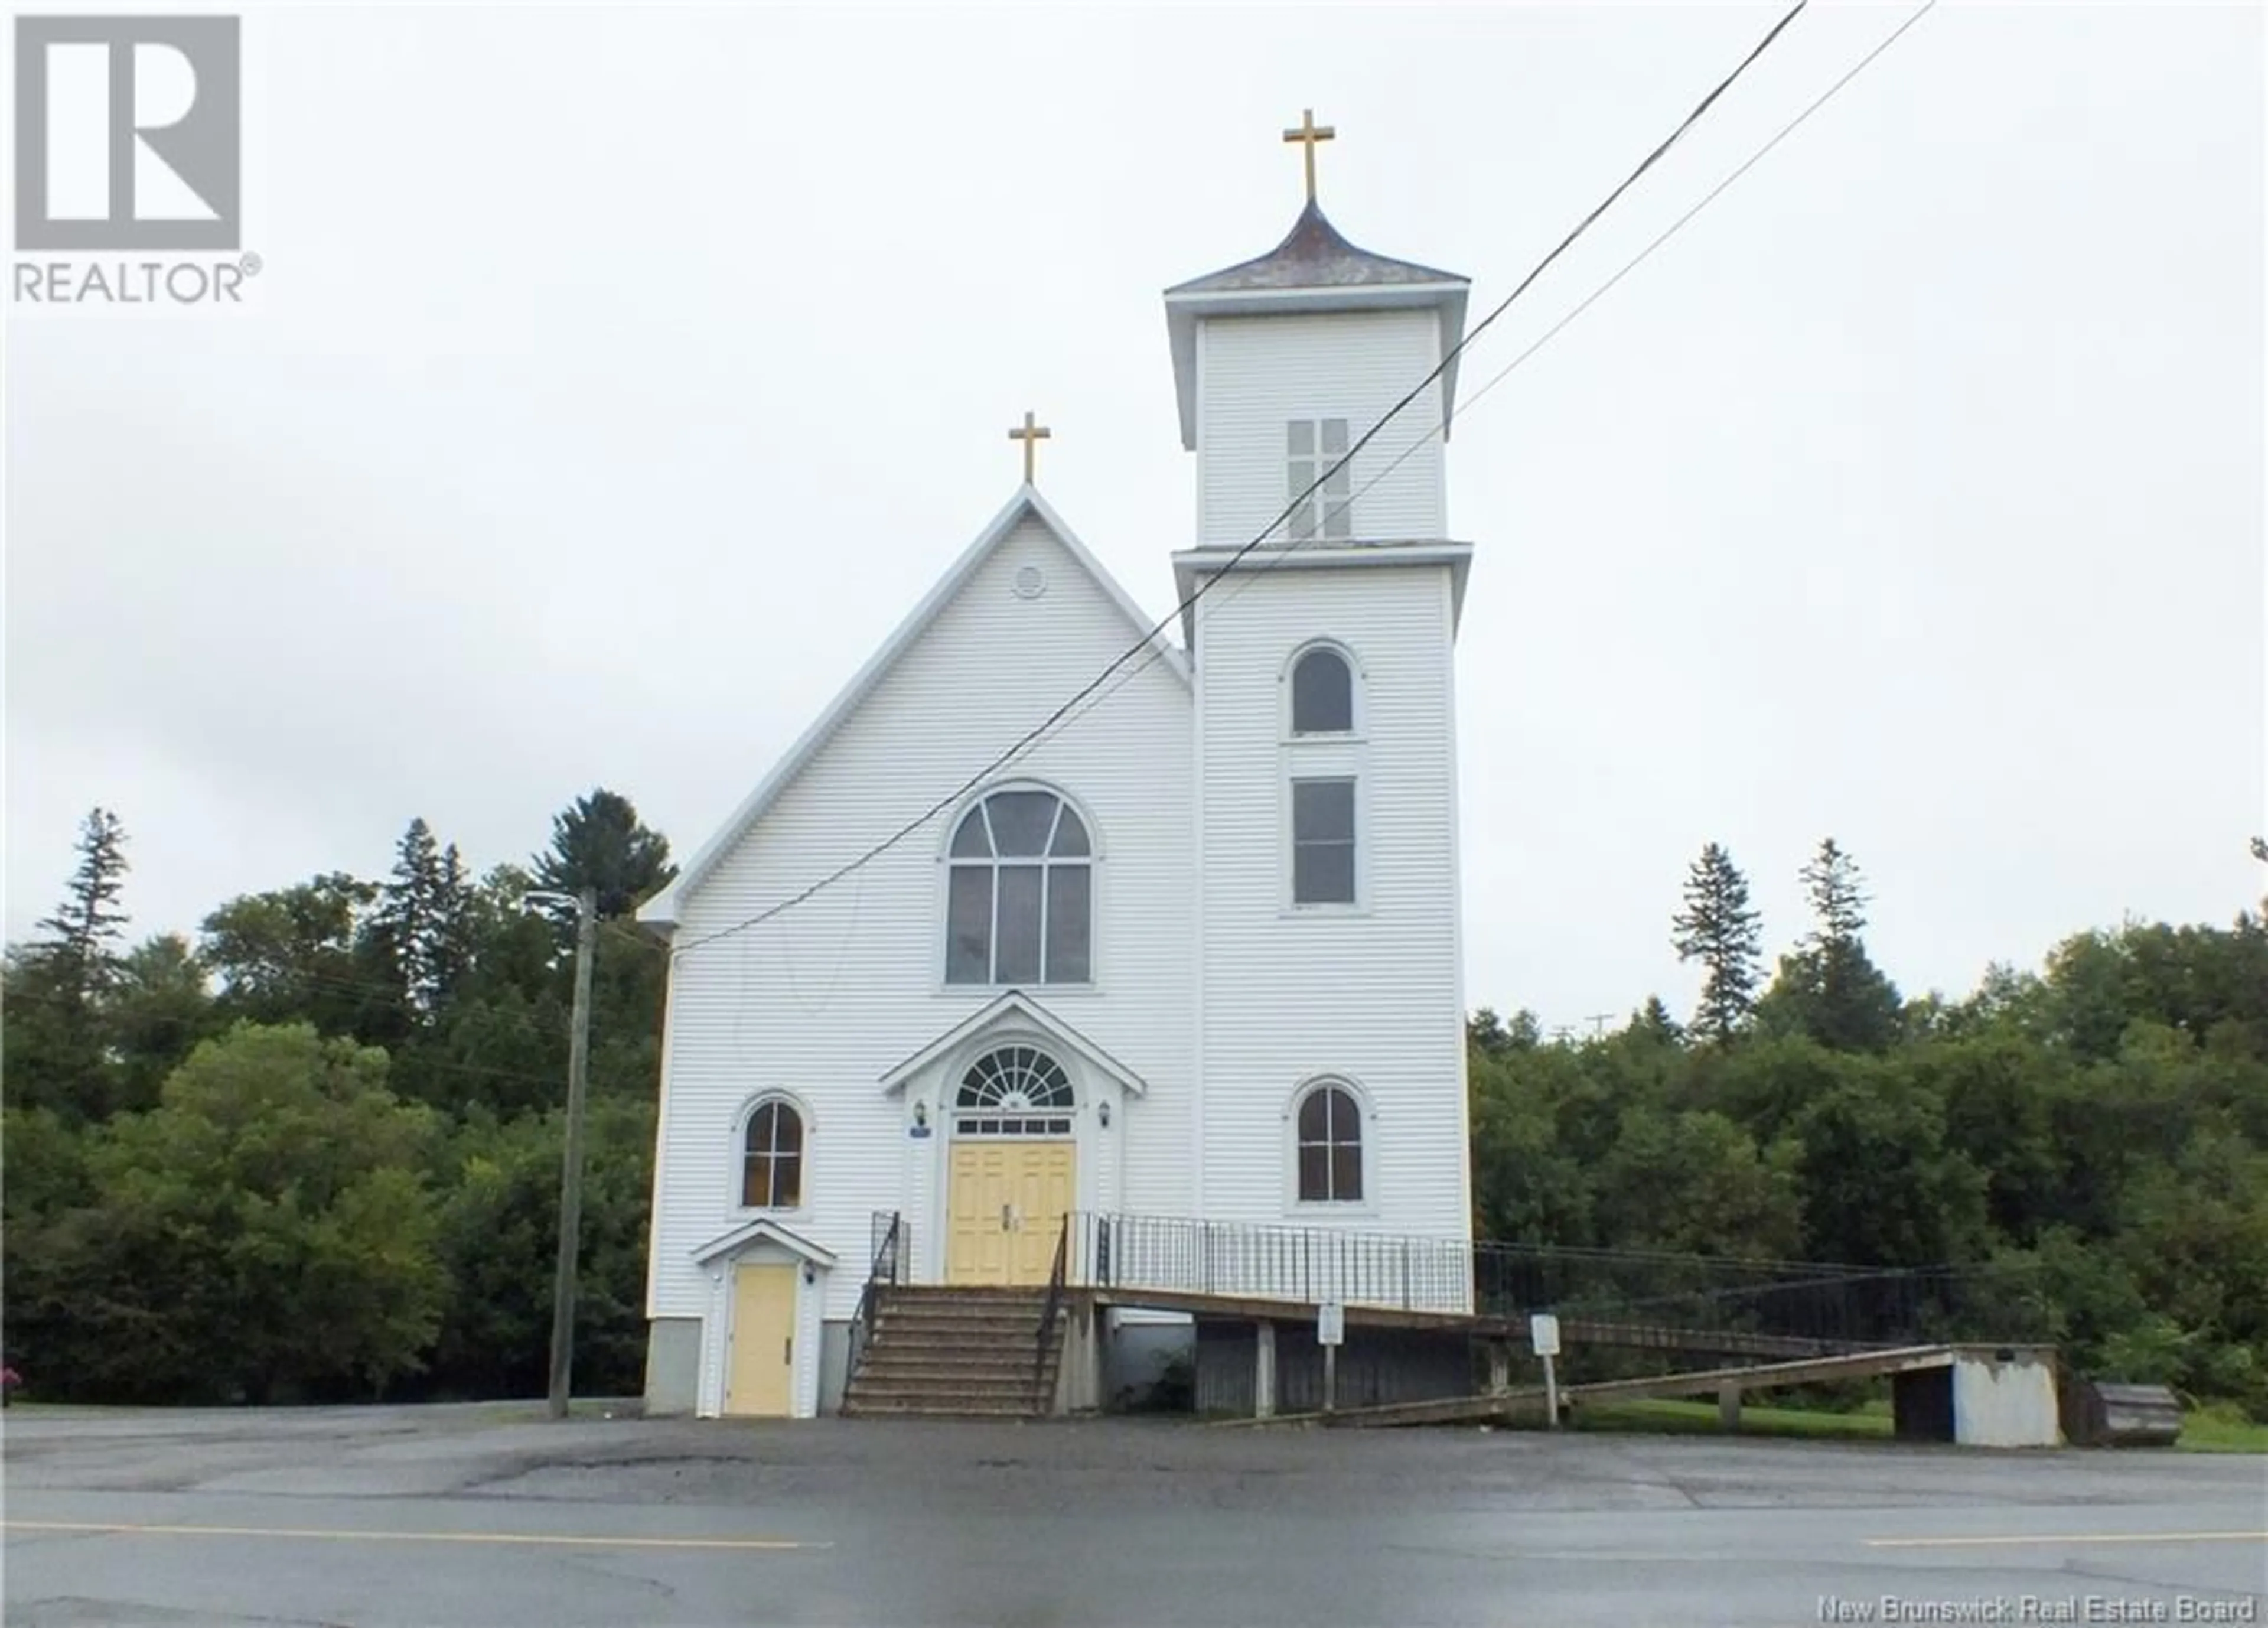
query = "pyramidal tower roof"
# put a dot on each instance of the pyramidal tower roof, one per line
(1315, 254)
(1314, 269)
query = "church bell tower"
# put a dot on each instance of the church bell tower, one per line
(1326, 730)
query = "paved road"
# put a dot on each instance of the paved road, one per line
(490, 1518)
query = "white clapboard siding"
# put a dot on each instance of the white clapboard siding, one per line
(1255, 374)
(826, 1000)
(1373, 995)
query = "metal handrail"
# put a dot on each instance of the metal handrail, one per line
(1057, 1279)
(888, 1267)
(1836, 1302)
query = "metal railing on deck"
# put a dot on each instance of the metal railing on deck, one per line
(1829, 1304)
(1239, 1260)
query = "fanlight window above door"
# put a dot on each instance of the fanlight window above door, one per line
(1014, 1091)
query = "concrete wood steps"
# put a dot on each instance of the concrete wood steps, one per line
(969, 1352)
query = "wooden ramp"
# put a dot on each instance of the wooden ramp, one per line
(1696, 1382)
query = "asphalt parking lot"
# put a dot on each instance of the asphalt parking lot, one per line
(488, 1515)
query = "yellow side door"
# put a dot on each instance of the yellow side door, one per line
(759, 1378)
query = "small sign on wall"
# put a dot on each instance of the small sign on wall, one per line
(1330, 1323)
(918, 1132)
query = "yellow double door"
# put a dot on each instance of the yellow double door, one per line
(1006, 1202)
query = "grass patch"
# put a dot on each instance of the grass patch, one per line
(2216, 1428)
(2221, 1427)
(1665, 1416)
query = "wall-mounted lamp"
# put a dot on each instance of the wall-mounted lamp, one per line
(921, 1114)
(810, 1272)
(1102, 1113)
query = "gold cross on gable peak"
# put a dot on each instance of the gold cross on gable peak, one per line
(1031, 435)
(1307, 135)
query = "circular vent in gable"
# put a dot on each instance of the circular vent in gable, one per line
(1031, 582)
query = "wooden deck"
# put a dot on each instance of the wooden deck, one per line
(1572, 1331)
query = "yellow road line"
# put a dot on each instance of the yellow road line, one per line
(2019, 1540)
(346, 1535)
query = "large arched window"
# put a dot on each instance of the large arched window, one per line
(1329, 1124)
(1322, 694)
(1020, 903)
(772, 1158)
(1014, 1091)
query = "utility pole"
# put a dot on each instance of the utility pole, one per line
(570, 1170)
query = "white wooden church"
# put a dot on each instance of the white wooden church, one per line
(1194, 954)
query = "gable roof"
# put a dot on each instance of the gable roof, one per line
(662, 912)
(763, 1229)
(1013, 1006)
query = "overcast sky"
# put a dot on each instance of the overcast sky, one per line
(620, 377)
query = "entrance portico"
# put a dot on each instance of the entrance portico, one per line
(1014, 1119)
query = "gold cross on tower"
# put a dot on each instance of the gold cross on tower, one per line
(1031, 435)
(1307, 135)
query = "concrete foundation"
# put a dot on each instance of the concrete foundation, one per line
(673, 1365)
(1080, 1370)
(834, 1365)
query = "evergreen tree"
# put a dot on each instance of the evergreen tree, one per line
(1653, 1021)
(1837, 896)
(422, 926)
(1830, 989)
(81, 950)
(1494, 1037)
(58, 985)
(1718, 929)
(597, 842)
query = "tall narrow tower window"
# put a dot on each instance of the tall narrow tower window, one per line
(1316, 450)
(1323, 842)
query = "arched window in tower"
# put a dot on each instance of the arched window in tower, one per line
(1329, 1146)
(1021, 900)
(1322, 694)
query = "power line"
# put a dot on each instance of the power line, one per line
(1466, 406)
(1226, 567)
(1707, 198)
